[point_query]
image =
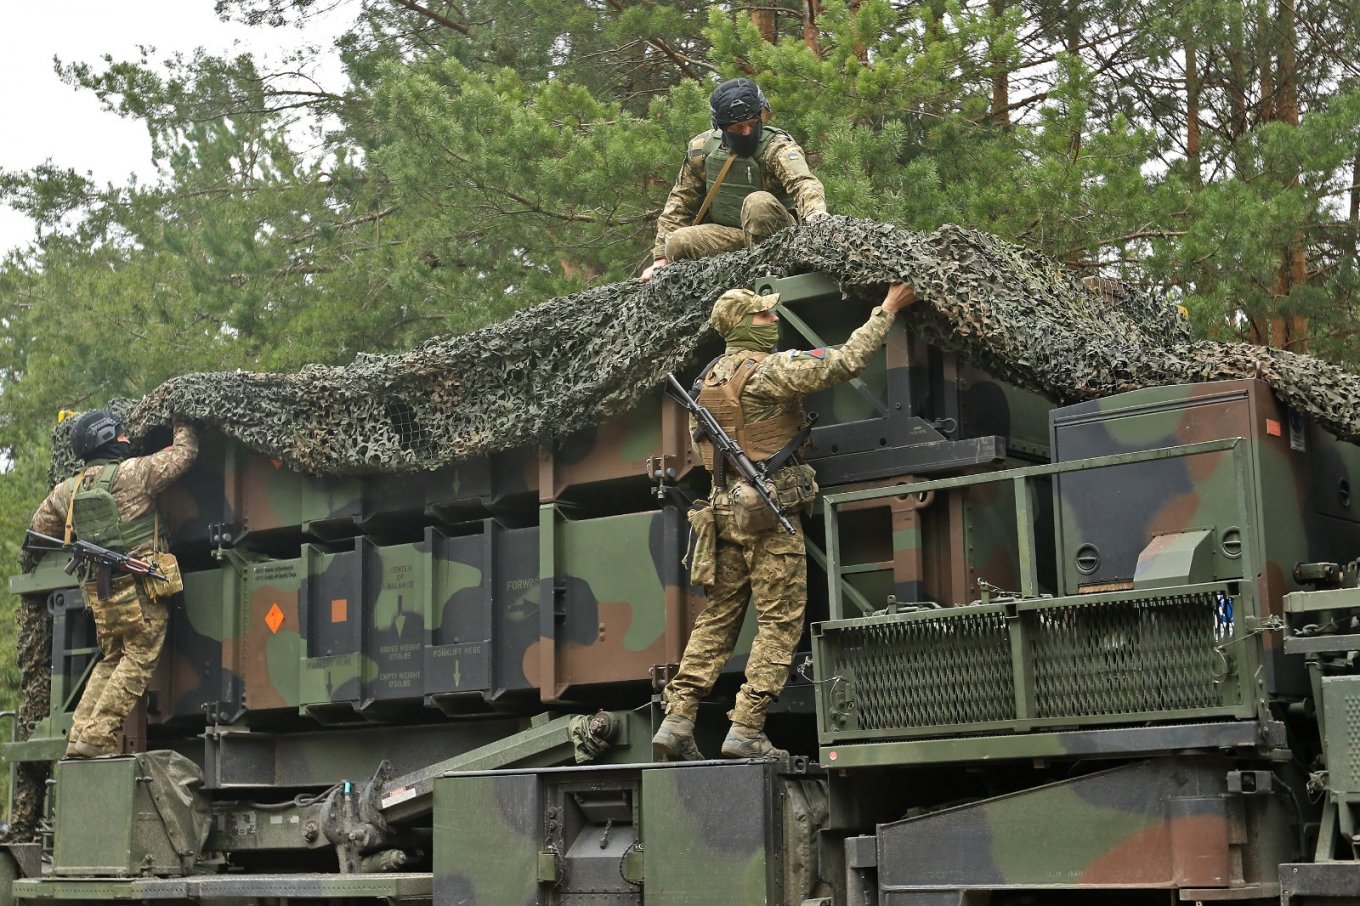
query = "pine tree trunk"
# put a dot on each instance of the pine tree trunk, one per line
(1192, 137)
(811, 37)
(1355, 207)
(1294, 268)
(763, 20)
(1265, 29)
(861, 51)
(1001, 77)
(1073, 41)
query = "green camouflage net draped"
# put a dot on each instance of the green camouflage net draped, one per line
(571, 361)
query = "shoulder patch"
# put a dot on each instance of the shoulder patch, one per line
(817, 353)
(793, 155)
(793, 353)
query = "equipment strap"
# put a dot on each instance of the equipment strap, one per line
(713, 190)
(76, 483)
(776, 462)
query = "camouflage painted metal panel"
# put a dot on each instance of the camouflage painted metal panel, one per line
(713, 832)
(988, 405)
(625, 600)
(1089, 660)
(720, 817)
(494, 856)
(934, 548)
(376, 617)
(231, 484)
(610, 457)
(455, 493)
(912, 395)
(267, 647)
(1166, 823)
(1300, 479)
(192, 673)
(333, 667)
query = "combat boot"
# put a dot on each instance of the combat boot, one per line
(675, 739)
(748, 742)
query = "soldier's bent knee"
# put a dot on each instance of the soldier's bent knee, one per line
(763, 215)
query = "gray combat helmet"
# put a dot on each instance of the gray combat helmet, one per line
(92, 430)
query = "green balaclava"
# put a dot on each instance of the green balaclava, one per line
(756, 337)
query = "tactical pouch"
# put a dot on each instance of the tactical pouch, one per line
(703, 556)
(120, 612)
(173, 583)
(796, 488)
(750, 513)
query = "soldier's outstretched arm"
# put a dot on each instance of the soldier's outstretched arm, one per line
(797, 372)
(157, 471)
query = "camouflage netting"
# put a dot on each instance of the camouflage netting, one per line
(35, 687)
(568, 362)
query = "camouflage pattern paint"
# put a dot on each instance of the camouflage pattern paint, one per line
(1166, 823)
(700, 833)
(625, 604)
(510, 828)
(1300, 478)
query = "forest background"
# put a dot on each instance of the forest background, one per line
(485, 155)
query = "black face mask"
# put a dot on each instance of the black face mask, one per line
(743, 145)
(117, 450)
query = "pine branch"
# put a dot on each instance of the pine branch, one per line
(682, 61)
(434, 16)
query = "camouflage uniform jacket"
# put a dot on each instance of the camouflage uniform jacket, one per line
(785, 170)
(135, 487)
(780, 381)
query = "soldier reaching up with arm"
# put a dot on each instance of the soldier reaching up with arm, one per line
(757, 397)
(112, 503)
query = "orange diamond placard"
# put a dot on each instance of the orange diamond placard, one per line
(274, 619)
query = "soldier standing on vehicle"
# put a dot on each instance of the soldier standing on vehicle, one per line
(112, 503)
(741, 182)
(741, 553)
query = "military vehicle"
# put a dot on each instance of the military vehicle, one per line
(1102, 653)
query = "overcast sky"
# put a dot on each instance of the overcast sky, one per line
(45, 119)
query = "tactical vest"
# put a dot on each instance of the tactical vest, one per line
(94, 512)
(722, 397)
(745, 176)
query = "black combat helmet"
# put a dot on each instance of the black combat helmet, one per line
(93, 430)
(736, 101)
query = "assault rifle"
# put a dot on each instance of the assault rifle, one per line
(102, 559)
(724, 445)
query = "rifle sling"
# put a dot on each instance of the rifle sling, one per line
(776, 462)
(713, 191)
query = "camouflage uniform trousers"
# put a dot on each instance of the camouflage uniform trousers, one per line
(121, 676)
(768, 569)
(761, 217)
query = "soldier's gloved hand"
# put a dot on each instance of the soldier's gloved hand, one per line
(650, 272)
(816, 217)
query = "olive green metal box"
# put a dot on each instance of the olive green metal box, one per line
(115, 820)
(1341, 734)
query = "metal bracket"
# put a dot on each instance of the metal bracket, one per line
(662, 674)
(352, 820)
